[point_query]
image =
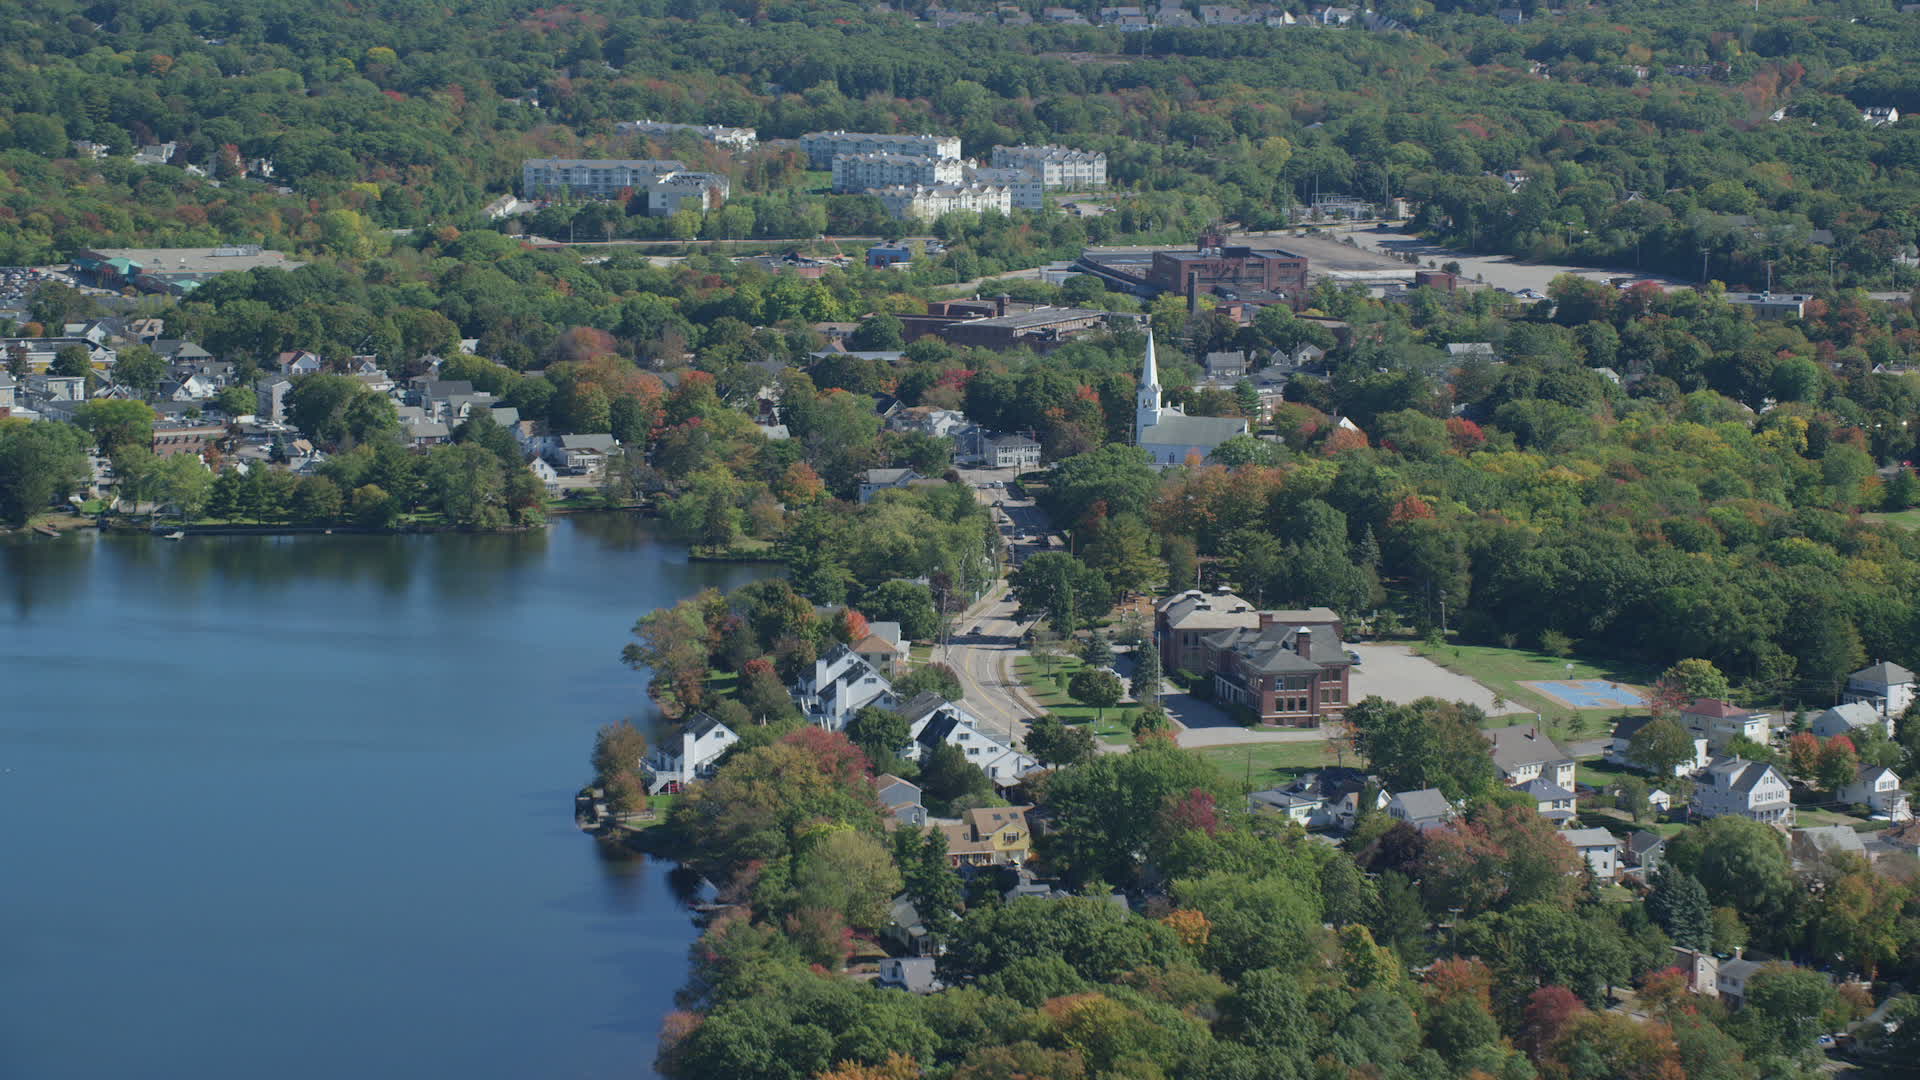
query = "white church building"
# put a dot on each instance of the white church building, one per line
(1170, 435)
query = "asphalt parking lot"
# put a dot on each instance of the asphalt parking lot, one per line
(1395, 673)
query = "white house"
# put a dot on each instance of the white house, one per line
(876, 480)
(1849, 718)
(1878, 787)
(1012, 452)
(1599, 847)
(1549, 799)
(1885, 686)
(932, 720)
(1747, 788)
(1423, 809)
(1521, 753)
(1620, 747)
(1169, 435)
(1879, 115)
(1329, 798)
(1721, 722)
(675, 763)
(1733, 977)
(841, 684)
(914, 974)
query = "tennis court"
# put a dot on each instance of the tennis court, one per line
(1589, 694)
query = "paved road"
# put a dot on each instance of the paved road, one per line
(986, 639)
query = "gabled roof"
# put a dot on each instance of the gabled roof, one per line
(1737, 774)
(1283, 648)
(1828, 839)
(1585, 838)
(1854, 714)
(887, 476)
(1884, 673)
(874, 643)
(1541, 789)
(1423, 804)
(703, 724)
(1717, 709)
(1869, 774)
(1645, 840)
(1523, 744)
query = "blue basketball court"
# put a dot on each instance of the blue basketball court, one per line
(1590, 694)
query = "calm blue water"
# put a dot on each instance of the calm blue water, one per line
(301, 807)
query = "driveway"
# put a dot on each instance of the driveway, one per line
(1395, 673)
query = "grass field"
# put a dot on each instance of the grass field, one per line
(1906, 519)
(1503, 670)
(1269, 764)
(1050, 690)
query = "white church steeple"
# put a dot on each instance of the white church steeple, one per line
(1146, 401)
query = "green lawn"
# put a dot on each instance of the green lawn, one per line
(1503, 670)
(1115, 725)
(1906, 519)
(1270, 764)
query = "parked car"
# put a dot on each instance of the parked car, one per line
(1353, 656)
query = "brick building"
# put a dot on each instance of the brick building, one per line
(1288, 671)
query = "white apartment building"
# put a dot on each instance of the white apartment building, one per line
(590, 178)
(929, 203)
(1025, 188)
(858, 172)
(821, 147)
(670, 192)
(1057, 166)
(732, 137)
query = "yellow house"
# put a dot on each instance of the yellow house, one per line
(990, 836)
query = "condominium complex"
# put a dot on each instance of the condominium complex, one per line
(735, 138)
(858, 172)
(928, 203)
(822, 147)
(587, 177)
(1057, 166)
(667, 186)
(1026, 189)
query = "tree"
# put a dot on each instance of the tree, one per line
(946, 776)
(38, 461)
(929, 879)
(115, 424)
(908, 603)
(1060, 587)
(1106, 809)
(1098, 688)
(235, 401)
(71, 361)
(1803, 756)
(1146, 673)
(673, 646)
(1679, 905)
(1661, 746)
(1783, 1010)
(1096, 652)
(1053, 743)
(1428, 743)
(139, 367)
(878, 333)
(618, 750)
(1697, 679)
(929, 678)
(881, 733)
(1741, 863)
(1839, 763)
(850, 873)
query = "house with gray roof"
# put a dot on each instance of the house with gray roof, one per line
(1522, 753)
(1553, 802)
(1848, 719)
(692, 754)
(1877, 788)
(1812, 845)
(1734, 974)
(901, 798)
(1600, 849)
(1644, 849)
(839, 685)
(932, 720)
(914, 974)
(1423, 809)
(877, 480)
(1885, 686)
(1751, 789)
(1183, 621)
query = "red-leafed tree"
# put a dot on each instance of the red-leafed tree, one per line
(1549, 1011)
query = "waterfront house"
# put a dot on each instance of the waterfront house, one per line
(690, 755)
(839, 685)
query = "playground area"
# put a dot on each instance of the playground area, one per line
(1588, 693)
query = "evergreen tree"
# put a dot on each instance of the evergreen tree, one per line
(1679, 905)
(1096, 652)
(1146, 674)
(928, 879)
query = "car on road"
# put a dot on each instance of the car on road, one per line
(1353, 656)
(975, 630)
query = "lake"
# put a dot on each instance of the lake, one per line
(302, 806)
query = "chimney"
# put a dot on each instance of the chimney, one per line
(1266, 619)
(1303, 642)
(1000, 304)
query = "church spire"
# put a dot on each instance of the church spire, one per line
(1149, 372)
(1146, 399)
